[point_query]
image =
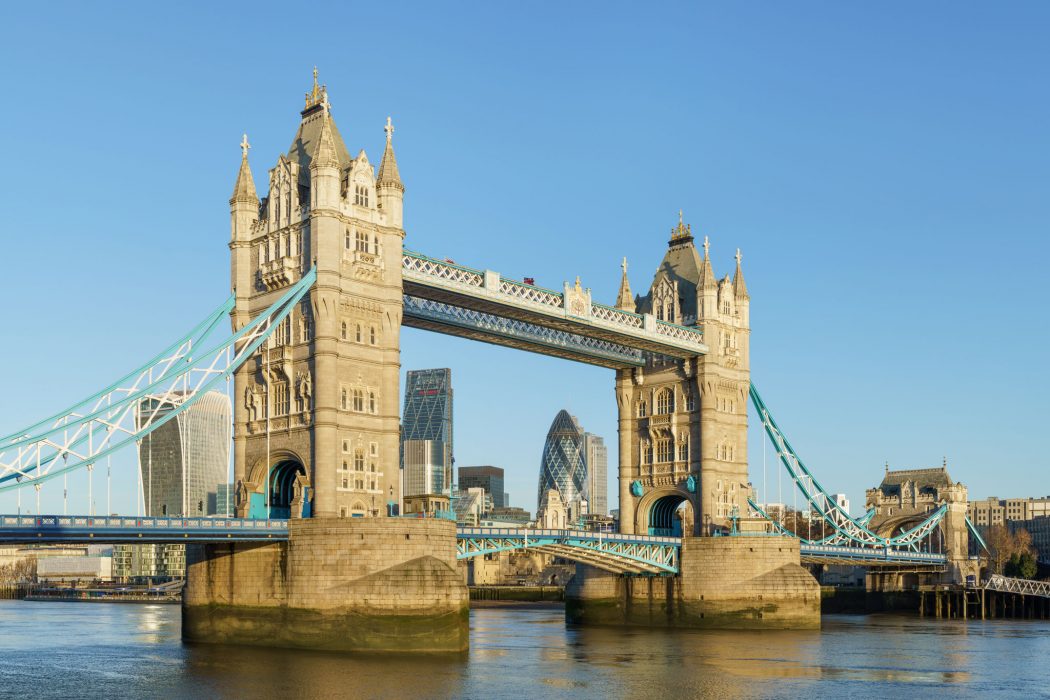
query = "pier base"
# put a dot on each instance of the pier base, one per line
(372, 584)
(725, 582)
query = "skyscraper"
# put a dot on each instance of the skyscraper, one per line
(426, 432)
(563, 466)
(596, 458)
(488, 478)
(184, 461)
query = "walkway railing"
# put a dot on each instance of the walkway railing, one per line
(1022, 586)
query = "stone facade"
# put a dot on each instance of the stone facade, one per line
(349, 585)
(683, 424)
(320, 398)
(725, 582)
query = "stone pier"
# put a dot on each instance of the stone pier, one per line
(725, 582)
(345, 584)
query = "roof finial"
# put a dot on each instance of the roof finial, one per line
(325, 104)
(679, 217)
(707, 247)
(738, 257)
(245, 146)
(389, 129)
(314, 96)
(623, 266)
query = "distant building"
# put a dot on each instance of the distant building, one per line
(563, 466)
(996, 511)
(426, 432)
(427, 506)
(470, 504)
(224, 497)
(184, 461)
(842, 501)
(141, 562)
(595, 456)
(552, 513)
(67, 569)
(907, 496)
(508, 515)
(487, 477)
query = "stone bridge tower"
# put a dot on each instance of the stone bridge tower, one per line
(683, 424)
(316, 410)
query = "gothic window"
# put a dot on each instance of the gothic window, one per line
(641, 409)
(725, 307)
(280, 399)
(298, 243)
(358, 337)
(362, 242)
(659, 311)
(359, 400)
(373, 449)
(342, 331)
(361, 195)
(342, 400)
(371, 402)
(647, 453)
(665, 402)
(359, 460)
(342, 509)
(346, 240)
(690, 401)
(346, 447)
(664, 450)
(372, 335)
(305, 328)
(683, 451)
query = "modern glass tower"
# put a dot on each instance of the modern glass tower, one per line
(487, 477)
(183, 462)
(563, 466)
(596, 458)
(426, 432)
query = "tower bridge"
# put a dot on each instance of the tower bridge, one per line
(322, 286)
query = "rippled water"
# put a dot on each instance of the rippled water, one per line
(63, 650)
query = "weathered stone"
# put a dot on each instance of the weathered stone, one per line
(342, 584)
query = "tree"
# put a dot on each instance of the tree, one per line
(1027, 566)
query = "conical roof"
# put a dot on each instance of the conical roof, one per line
(388, 173)
(244, 188)
(624, 299)
(325, 154)
(739, 286)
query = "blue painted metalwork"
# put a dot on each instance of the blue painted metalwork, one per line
(34, 459)
(116, 530)
(976, 535)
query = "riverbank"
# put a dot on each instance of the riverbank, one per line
(536, 594)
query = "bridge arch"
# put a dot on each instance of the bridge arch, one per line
(666, 511)
(277, 482)
(894, 526)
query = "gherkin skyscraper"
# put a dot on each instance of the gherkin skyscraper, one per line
(563, 466)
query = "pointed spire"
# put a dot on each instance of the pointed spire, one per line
(244, 188)
(707, 274)
(624, 299)
(739, 287)
(325, 155)
(388, 174)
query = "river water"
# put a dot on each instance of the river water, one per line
(76, 650)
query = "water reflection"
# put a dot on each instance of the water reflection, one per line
(133, 651)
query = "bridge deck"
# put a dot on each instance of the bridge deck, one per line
(138, 530)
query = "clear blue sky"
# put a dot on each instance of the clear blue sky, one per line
(885, 168)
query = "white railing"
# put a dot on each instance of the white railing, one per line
(1022, 586)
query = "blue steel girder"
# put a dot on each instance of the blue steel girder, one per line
(499, 330)
(570, 311)
(141, 530)
(621, 554)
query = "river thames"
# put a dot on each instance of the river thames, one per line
(74, 650)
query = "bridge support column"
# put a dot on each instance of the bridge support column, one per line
(725, 583)
(361, 584)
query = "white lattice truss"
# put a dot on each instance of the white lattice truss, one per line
(141, 401)
(490, 286)
(620, 554)
(522, 331)
(1021, 586)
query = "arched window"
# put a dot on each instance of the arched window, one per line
(641, 409)
(665, 402)
(664, 450)
(342, 331)
(358, 338)
(346, 239)
(371, 402)
(359, 400)
(372, 335)
(362, 241)
(342, 400)
(359, 460)
(683, 451)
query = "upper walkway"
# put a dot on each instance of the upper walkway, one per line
(480, 304)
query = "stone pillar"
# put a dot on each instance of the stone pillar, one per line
(353, 584)
(624, 405)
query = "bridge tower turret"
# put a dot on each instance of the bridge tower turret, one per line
(683, 423)
(316, 411)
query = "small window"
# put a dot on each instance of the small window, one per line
(359, 400)
(342, 331)
(371, 402)
(362, 242)
(342, 511)
(342, 401)
(359, 460)
(665, 402)
(346, 239)
(372, 335)
(358, 338)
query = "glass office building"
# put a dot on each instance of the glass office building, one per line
(563, 466)
(487, 477)
(183, 462)
(426, 432)
(596, 458)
